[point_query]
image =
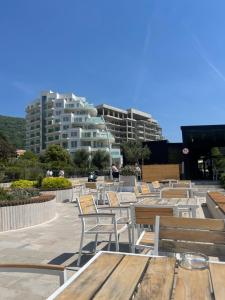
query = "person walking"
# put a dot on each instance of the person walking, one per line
(137, 172)
(115, 173)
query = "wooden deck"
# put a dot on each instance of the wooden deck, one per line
(123, 276)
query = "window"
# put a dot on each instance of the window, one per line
(65, 127)
(64, 136)
(85, 143)
(94, 134)
(65, 145)
(73, 133)
(58, 112)
(73, 144)
(65, 119)
(58, 104)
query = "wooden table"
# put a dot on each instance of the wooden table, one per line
(189, 203)
(121, 276)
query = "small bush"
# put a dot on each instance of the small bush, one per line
(18, 194)
(128, 171)
(23, 184)
(55, 183)
(222, 179)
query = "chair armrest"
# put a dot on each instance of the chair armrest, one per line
(97, 215)
(114, 207)
(34, 266)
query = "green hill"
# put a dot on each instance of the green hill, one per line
(14, 129)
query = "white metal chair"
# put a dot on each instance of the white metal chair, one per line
(89, 211)
(142, 215)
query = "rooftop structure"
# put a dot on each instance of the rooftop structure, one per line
(130, 124)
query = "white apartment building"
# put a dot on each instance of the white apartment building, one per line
(69, 121)
(131, 124)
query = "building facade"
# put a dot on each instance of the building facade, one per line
(130, 124)
(69, 121)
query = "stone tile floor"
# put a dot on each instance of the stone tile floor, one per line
(54, 242)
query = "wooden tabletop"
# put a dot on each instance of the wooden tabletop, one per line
(168, 201)
(122, 276)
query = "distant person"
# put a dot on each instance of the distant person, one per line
(61, 173)
(48, 173)
(138, 172)
(115, 172)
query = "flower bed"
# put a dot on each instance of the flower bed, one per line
(16, 214)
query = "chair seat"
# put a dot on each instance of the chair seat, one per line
(106, 228)
(147, 239)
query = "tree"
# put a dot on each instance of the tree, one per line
(6, 149)
(100, 159)
(55, 153)
(81, 158)
(134, 151)
(29, 155)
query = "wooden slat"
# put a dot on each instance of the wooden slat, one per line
(157, 282)
(91, 185)
(217, 197)
(159, 172)
(113, 199)
(182, 247)
(193, 223)
(146, 215)
(173, 193)
(148, 239)
(216, 237)
(88, 283)
(87, 204)
(217, 272)
(123, 281)
(192, 285)
(34, 266)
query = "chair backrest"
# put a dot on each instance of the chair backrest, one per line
(113, 199)
(190, 235)
(145, 188)
(91, 185)
(145, 215)
(181, 185)
(156, 184)
(174, 193)
(86, 204)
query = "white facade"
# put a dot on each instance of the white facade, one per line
(69, 121)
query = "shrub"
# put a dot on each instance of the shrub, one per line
(222, 179)
(23, 184)
(17, 194)
(55, 183)
(127, 171)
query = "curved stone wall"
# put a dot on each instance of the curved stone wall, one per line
(21, 216)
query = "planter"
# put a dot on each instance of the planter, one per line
(26, 215)
(128, 183)
(64, 195)
(214, 208)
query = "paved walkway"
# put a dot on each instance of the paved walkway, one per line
(54, 242)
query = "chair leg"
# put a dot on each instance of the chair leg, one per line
(80, 250)
(109, 244)
(117, 242)
(129, 236)
(96, 241)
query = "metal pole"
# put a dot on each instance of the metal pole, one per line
(110, 156)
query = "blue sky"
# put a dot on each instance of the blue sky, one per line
(163, 57)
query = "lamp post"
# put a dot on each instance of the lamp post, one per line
(110, 155)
